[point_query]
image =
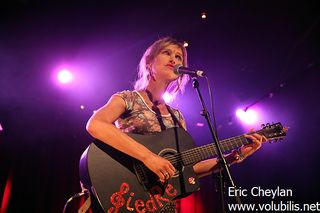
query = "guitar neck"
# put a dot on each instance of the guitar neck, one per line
(191, 156)
(198, 154)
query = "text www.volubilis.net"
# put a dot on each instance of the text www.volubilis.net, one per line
(281, 206)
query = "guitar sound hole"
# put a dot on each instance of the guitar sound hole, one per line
(174, 158)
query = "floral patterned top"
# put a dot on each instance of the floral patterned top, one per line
(139, 118)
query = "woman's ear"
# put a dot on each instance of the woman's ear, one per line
(149, 68)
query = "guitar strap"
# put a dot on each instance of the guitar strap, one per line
(158, 113)
(87, 203)
(78, 199)
(174, 118)
(159, 117)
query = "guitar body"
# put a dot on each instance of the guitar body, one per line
(123, 184)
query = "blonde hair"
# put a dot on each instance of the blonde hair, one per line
(149, 55)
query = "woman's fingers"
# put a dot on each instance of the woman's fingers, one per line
(161, 167)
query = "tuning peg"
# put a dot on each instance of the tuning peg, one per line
(262, 126)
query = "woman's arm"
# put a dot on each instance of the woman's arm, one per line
(101, 127)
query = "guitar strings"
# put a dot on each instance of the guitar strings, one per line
(197, 154)
(200, 153)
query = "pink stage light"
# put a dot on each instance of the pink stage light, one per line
(65, 76)
(200, 124)
(248, 117)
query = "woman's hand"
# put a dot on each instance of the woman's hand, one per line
(249, 149)
(160, 166)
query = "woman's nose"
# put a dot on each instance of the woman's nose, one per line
(172, 61)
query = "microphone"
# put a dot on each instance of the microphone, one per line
(179, 69)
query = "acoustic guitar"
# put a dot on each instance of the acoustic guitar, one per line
(121, 183)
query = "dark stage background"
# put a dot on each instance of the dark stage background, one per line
(262, 52)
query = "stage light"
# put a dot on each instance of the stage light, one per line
(200, 124)
(249, 116)
(203, 15)
(1, 129)
(81, 107)
(185, 44)
(65, 76)
(167, 97)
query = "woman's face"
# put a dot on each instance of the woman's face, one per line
(163, 63)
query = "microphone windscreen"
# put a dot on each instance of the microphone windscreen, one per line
(176, 68)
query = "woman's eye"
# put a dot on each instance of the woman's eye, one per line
(166, 52)
(179, 57)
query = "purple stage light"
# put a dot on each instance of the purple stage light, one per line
(200, 124)
(64, 76)
(248, 117)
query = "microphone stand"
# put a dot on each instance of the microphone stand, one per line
(222, 160)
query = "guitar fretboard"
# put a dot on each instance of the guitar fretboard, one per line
(198, 154)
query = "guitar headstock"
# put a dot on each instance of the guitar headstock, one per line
(273, 132)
